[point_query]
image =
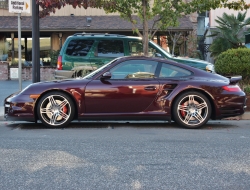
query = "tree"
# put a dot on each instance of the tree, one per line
(229, 33)
(162, 13)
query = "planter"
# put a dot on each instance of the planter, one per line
(3, 57)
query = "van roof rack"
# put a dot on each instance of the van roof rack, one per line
(96, 34)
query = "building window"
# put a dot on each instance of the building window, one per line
(4, 4)
(26, 51)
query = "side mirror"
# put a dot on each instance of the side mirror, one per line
(106, 75)
(158, 55)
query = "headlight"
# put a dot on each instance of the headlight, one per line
(210, 68)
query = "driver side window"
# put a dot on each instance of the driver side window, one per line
(134, 69)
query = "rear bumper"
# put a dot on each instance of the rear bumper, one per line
(233, 108)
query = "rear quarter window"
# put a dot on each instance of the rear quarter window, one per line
(79, 47)
(168, 70)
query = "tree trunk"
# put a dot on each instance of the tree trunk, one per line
(145, 28)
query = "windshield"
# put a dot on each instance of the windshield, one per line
(90, 75)
(160, 48)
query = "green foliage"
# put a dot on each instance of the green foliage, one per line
(234, 62)
(230, 33)
(218, 46)
(53, 57)
(192, 43)
(246, 88)
(164, 13)
(161, 13)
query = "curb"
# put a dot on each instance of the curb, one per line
(245, 116)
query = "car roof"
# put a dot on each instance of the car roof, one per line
(103, 35)
(163, 60)
(150, 58)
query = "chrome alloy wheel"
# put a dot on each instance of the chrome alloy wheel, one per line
(55, 110)
(193, 110)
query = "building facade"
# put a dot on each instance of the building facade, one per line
(207, 24)
(54, 29)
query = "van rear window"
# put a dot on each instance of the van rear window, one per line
(79, 47)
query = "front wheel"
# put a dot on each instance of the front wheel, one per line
(55, 109)
(191, 110)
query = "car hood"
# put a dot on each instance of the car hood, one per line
(192, 60)
(67, 84)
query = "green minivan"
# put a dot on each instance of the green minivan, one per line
(82, 53)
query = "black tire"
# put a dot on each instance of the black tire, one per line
(191, 110)
(55, 110)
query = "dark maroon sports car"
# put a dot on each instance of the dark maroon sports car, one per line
(131, 88)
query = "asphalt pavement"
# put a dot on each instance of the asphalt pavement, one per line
(125, 156)
(10, 86)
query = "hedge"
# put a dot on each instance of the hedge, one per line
(234, 62)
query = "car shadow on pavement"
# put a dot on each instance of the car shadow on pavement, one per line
(112, 125)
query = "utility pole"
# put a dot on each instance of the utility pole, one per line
(19, 52)
(35, 43)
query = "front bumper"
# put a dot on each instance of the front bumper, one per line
(19, 108)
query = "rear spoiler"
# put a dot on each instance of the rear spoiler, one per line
(234, 79)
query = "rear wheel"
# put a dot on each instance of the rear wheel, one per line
(55, 109)
(191, 110)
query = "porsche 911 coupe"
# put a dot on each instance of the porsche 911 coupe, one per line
(131, 88)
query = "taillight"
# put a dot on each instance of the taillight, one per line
(232, 88)
(59, 62)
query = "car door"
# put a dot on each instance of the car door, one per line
(132, 88)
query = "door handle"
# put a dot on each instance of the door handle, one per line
(150, 88)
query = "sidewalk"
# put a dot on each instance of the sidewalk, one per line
(10, 86)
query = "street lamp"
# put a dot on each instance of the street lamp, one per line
(60, 35)
(12, 48)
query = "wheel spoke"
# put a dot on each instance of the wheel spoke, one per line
(183, 108)
(190, 99)
(52, 100)
(63, 115)
(187, 118)
(201, 106)
(63, 103)
(198, 117)
(53, 119)
(46, 110)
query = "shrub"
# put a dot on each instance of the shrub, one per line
(247, 89)
(234, 62)
(53, 57)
